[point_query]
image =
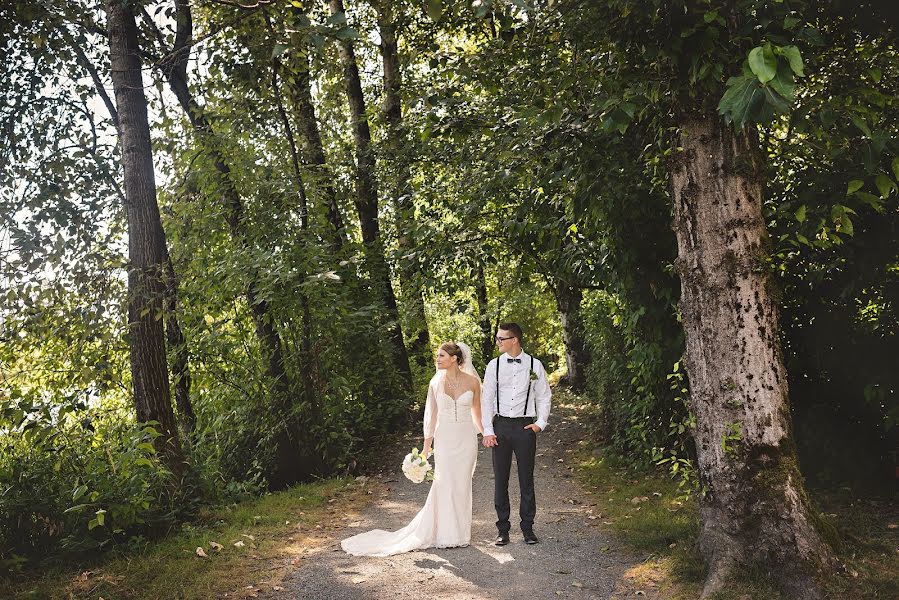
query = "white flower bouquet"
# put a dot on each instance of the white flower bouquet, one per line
(416, 467)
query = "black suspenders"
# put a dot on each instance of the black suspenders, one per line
(527, 398)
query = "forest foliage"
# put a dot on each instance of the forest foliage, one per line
(517, 168)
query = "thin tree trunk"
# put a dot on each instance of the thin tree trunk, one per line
(487, 330)
(292, 461)
(308, 358)
(568, 300)
(413, 295)
(311, 138)
(178, 346)
(755, 509)
(367, 201)
(146, 240)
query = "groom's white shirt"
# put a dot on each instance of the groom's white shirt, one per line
(514, 379)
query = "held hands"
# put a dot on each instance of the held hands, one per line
(490, 441)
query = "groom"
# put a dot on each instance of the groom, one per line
(514, 407)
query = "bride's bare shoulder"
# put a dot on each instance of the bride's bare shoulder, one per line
(472, 381)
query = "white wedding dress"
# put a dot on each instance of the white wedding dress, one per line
(445, 519)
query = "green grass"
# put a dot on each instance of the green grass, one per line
(643, 509)
(665, 528)
(282, 525)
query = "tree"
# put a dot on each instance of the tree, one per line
(367, 198)
(293, 459)
(147, 251)
(754, 509)
(397, 140)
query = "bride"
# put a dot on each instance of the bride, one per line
(452, 421)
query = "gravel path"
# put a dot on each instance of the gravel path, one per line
(575, 558)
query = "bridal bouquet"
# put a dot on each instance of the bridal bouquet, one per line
(416, 467)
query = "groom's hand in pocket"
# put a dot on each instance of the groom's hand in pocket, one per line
(533, 427)
(490, 441)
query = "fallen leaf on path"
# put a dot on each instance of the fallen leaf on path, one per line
(278, 588)
(892, 526)
(215, 546)
(201, 553)
(577, 584)
(239, 543)
(249, 537)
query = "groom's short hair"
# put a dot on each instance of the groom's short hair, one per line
(514, 329)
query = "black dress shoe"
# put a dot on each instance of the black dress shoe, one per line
(530, 538)
(502, 539)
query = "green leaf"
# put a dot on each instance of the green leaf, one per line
(784, 84)
(895, 166)
(763, 63)
(742, 98)
(346, 34)
(710, 16)
(860, 123)
(854, 186)
(434, 9)
(80, 491)
(794, 57)
(885, 185)
(279, 50)
(790, 22)
(101, 517)
(871, 200)
(800, 214)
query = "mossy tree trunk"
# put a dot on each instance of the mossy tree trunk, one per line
(755, 509)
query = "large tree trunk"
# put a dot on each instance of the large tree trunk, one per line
(413, 296)
(755, 509)
(146, 240)
(568, 300)
(293, 461)
(367, 202)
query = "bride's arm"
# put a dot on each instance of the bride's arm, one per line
(476, 408)
(430, 420)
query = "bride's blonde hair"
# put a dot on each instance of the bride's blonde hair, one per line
(453, 349)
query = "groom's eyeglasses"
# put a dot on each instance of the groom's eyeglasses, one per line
(503, 339)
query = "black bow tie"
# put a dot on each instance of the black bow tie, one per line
(511, 360)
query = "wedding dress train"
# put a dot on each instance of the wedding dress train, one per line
(445, 519)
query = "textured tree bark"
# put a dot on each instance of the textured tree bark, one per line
(367, 202)
(293, 461)
(568, 301)
(146, 240)
(755, 509)
(412, 293)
